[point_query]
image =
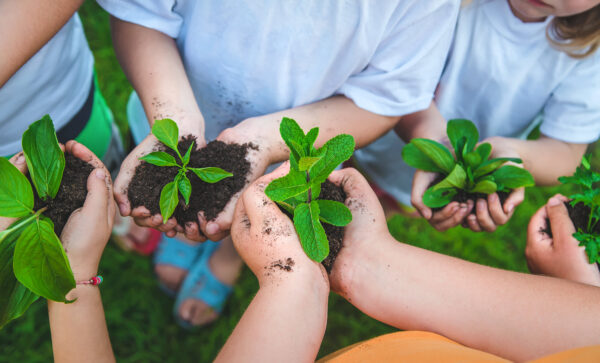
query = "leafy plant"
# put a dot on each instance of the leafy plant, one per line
(166, 131)
(299, 190)
(589, 196)
(470, 170)
(33, 262)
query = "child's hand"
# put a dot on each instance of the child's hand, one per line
(88, 229)
(266, 238)
(560, 255)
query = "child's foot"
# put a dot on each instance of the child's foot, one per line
(131, 237)
(172, 261)
(208, 285)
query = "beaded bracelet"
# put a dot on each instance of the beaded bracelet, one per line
(95, 281)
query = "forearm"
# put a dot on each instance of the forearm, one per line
(153, 65)
(427, 124)
(26, 25)
(78, 330)
(539, 155)
(510, 314)
(283, 322)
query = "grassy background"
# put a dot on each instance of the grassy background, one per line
(139, 315)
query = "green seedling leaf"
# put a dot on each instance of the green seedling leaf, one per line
(485, 187)
(16, 195)
(463, 135)
(489, 166)
(166, 131)
(311, 232)
(288, 186)
(45, 159)
(484, 150)
(585, 162)
(15, 298)
(310, 139)
(436, 152)
(168, 200)
(185, 188)
(417, 159)
(211, 174)
(512, 177)
(334, 213)
(457, 179)
(591, 243)
(160, 158)
(437, 198)
(186, 157)
(337, 150)
(473, 159)
(291, 133)
(306, 162)
(587, 197)
(40, 262)
(288, 206)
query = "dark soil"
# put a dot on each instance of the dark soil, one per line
(335, 234)
(71, 194)
(462, 196)
(148, 181)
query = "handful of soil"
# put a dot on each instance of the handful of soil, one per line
(148, 180)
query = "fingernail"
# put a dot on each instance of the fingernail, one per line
(122, 208)
(212, 228)
(510, 208)
(186, 315)
(157, 219)
(481, 203)
(493, 197)
(20, 159)
(100, 174)
(553, 202)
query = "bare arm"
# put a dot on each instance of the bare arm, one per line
(26, 25)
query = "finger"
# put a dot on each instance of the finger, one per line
(166, 227)
(421, 182)
(455, 219)
(98, 198)
(193, 233)
(561, 224)
(499, 217)
(473, 223)
(144, 221)
(83, 153)
(240, 226)
(141, 212)
(536, 228)
(445, 213)
(483, 216)
(258, 206)
(18, 160)
(515, 198)
(171, 234)
(122, 182)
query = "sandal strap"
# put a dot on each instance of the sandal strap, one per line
(174, 252)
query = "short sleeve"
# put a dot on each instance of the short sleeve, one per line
(572, 113)
(402, 74)
(154, 14)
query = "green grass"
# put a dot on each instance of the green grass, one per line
(139, 315)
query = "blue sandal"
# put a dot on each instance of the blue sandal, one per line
(201, 284)
(174, 252)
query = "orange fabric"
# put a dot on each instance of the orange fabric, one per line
(579, 355)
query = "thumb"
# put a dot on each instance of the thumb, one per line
(97, 201)
(560, 222)
(421, 182)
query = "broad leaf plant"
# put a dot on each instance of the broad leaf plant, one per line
(469, 169)
(167, 132)
(298, 192)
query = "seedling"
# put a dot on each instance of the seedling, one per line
(589, 196)
(471, 170)
(32, 260)
(299, 190)
(166, 131)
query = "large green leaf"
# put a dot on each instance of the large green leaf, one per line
(437, 198)
(512, 177)
(160, 158)
(306, 162)
(211, 174)
(167, 132)
(16, 195)
(169, 199)
(311, 232)
(45, 159)
(288, 186)
(309, 140)
(291, 133)
(334, 212)
(418, 159)
(472, 159)
(492, 164)
(337, 150)
(456, 179)
(436, 152)
(485, 187)
(463, 135)
(185, 187)
(40, 262)
(14, 297)
(484, 150)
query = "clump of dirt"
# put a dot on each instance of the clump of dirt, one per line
(71, 194)
(282, 265)
(148, 180)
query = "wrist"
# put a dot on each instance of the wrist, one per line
(298, 279)
(259, 133)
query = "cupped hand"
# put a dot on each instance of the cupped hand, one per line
(560, 255)
(266, 238)
(88, 228)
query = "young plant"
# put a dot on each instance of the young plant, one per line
(589, 196)
(299, 190)
(471, 170)
(33, 262)
(166, 131)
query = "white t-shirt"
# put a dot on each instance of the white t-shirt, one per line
(501, 74)
(55, 81)
(249, 58)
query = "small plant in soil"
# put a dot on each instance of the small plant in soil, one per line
(470, 171)
(298, 192)
(32, 260)
(585, 208)
(166, 131)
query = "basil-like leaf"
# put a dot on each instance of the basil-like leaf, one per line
(160, 158)
(16, 195)
(463, 135)
(457, 179)
(292, 133)
(167, 132)
(288, 186)
(418, 159)
(512, 177)
(334, 212)
(40, 262)
(310, 139)
(306, 162)
(185, 188)
(489, 166)
(311, 232)
(188, 153)
(337, 150)
(485, 187)
(437, 198)
(169, 199)
(211, 174)
(45, 159)
(436, 152)
(472, 159)
(484, 150)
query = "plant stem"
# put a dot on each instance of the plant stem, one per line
(20, 223)
(309, 189)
